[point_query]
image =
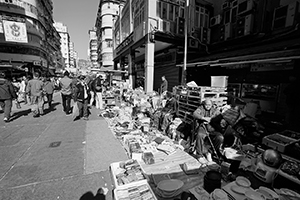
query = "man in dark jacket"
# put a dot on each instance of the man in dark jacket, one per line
(163, 85)
(7, 94)
(81, 97)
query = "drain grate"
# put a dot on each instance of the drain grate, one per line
(55, 144)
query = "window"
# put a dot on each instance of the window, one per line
(109, 43)
(164, 11)
(171, 12)
(201, 16)
(158, 9)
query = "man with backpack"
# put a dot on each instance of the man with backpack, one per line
(7, 94)
(97, 87)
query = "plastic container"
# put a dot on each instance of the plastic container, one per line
(212, 181)
(219, 81)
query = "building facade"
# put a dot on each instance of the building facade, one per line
(253, 42)
(64, 41)
(28, 39)
(93, 47)
(107, 11)
(71, 54)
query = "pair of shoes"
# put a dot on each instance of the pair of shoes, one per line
(85, 118)
(6, 119)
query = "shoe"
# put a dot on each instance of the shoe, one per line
(202, 160)
(208, 157)
(68, 114)
(85, 118)
(6, 119)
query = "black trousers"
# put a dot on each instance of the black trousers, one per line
(66, 101)
(49, 99)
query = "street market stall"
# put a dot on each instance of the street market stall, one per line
(158, 166)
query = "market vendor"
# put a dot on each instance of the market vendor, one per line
(168, 112)
(222, 125)
(203, 114)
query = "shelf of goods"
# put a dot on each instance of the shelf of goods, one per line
(190, 98)
(288, 143)
(129, 181)
(282, 141)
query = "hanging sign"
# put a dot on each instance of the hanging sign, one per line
(15, 31)
(1, 26)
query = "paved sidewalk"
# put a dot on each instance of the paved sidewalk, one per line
(52, 157)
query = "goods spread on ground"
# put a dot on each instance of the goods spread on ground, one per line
(158, 167)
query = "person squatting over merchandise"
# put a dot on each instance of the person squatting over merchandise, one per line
(203, 114)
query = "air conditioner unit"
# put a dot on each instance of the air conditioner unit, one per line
(244, 26)
(226, 31)
(226, 5)
(244, 6)
(284, 16)
(193, 43)
(165, 26)
(215, 20)
(204, 35)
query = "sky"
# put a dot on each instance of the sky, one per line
(79, 16)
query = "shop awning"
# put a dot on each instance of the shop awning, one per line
(279, 56)
(276, 52)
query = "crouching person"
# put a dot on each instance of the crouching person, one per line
(203, 114)
(81, 97)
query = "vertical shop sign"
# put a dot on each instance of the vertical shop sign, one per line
(1, 25)
(15, 31)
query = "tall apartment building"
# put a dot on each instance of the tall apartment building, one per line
(93, 46)
(107, 10)
(65, 42)
(28, 40)
(71, 54)
(75, 59)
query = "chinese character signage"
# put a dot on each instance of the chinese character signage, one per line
(1, 26)
(15, 31)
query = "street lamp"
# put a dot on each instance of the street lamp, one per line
(183, 76)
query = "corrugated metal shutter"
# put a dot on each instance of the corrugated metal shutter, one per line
(170, 71)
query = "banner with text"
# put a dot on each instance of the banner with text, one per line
(15, 31)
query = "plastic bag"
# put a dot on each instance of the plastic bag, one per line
(75, 111)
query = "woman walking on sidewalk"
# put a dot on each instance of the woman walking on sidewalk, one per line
(49, 89)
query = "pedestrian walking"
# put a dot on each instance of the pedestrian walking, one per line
(23, 89)
(49, 87)
(35, 88)
(163, 85)
(81, 97)
(7, 94)
(66, 92)
(97, 88)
